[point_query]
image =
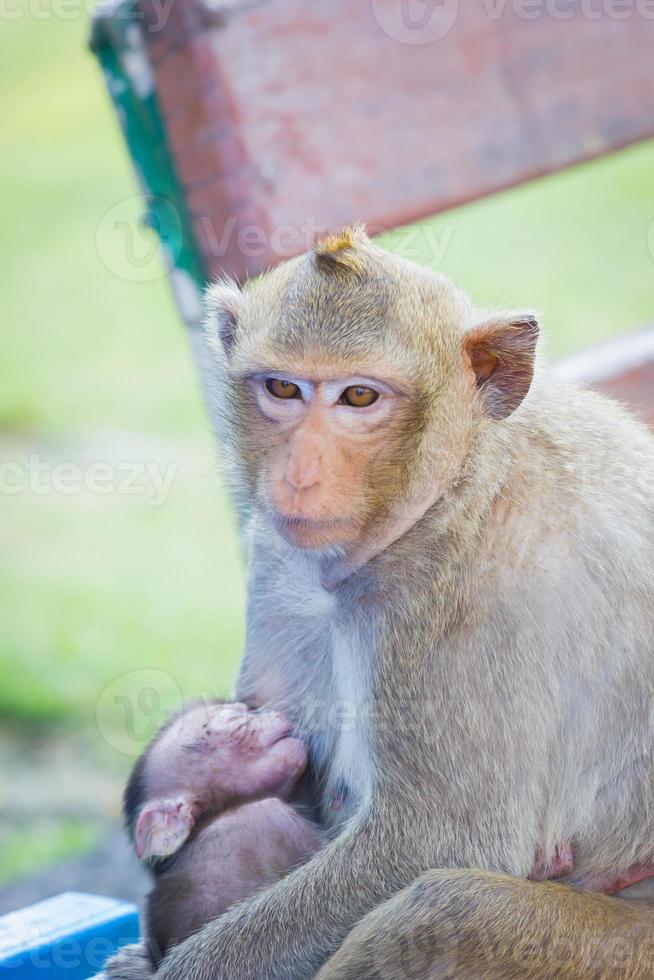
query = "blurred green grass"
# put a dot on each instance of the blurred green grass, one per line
(26, 849)
(95, 588)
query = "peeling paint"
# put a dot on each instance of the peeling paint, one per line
(136, 64)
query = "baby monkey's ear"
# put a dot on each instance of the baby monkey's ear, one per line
(162, 827)
(500, 352)
(223, 303)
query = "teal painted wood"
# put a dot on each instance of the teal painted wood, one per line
(68, 937)
(117, 41)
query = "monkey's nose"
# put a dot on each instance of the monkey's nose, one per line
(302, 475)
(302, 484)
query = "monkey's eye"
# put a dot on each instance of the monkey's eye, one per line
(279, 388)
(358, 396)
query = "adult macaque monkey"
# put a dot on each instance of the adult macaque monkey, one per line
(451, 585)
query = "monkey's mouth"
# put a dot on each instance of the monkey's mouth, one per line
(306, 532)
(312, 534)
(273, 732)
(309, 523)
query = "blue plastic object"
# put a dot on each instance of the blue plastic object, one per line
(64, 938)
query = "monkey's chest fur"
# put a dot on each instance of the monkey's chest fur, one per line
(493, 725)
(324, 688)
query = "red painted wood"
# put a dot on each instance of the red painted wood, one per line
(635, 388)
(287, 117)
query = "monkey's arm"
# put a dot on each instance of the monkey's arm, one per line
(485, 926)
(289, 930)
(131, 962)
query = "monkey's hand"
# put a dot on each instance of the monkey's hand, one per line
(289, 930)
(129, 963)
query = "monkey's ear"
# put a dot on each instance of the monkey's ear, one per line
(501, 352)
(162, 827)
(223, 303)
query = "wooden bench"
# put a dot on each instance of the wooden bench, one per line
(266, 122)
(256, 125)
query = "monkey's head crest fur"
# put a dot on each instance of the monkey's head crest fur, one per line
(343, 251)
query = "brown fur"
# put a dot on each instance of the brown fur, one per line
(341, 252)
(481, 926)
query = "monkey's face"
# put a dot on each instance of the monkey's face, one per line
(328, 436)
(353, 385)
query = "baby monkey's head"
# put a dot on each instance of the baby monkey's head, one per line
(354, 382)
(205, 761)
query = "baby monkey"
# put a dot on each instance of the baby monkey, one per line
(207, 806)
